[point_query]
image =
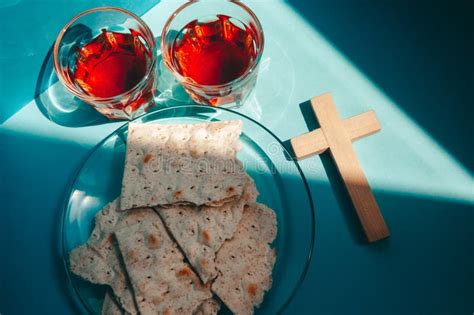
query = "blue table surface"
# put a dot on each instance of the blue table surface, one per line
(411, 63)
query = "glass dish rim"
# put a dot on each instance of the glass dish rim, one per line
(67, 201)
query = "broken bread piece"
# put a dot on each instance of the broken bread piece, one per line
(111, 306)
(201, 231)
(245, 262)
(98, 261)
(170, 164)
(162, 282)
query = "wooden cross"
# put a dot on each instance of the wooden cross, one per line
(337, 136)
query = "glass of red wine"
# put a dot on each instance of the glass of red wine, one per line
(213, 48)
(106, 56)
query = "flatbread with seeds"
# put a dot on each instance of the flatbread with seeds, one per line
(169, 164)
(163, 283)
(201, 231)
(245, 262)
(99, 260)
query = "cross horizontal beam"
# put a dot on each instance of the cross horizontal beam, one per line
(314, 142)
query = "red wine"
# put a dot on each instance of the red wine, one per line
(214, 53)
(111, 64)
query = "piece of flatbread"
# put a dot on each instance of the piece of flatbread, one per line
(162, 282)
(99, 260)
(208, 307)
(185, 164)
(201, 231)
(245, 262)
(110, 306)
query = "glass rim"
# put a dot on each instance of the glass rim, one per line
(185, 80)
(80, 93)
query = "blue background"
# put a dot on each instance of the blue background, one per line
(418, 54)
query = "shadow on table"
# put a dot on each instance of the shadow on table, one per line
(61, 107)
(419, 55)
(426, 258)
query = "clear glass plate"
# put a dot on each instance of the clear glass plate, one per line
(279, 180)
